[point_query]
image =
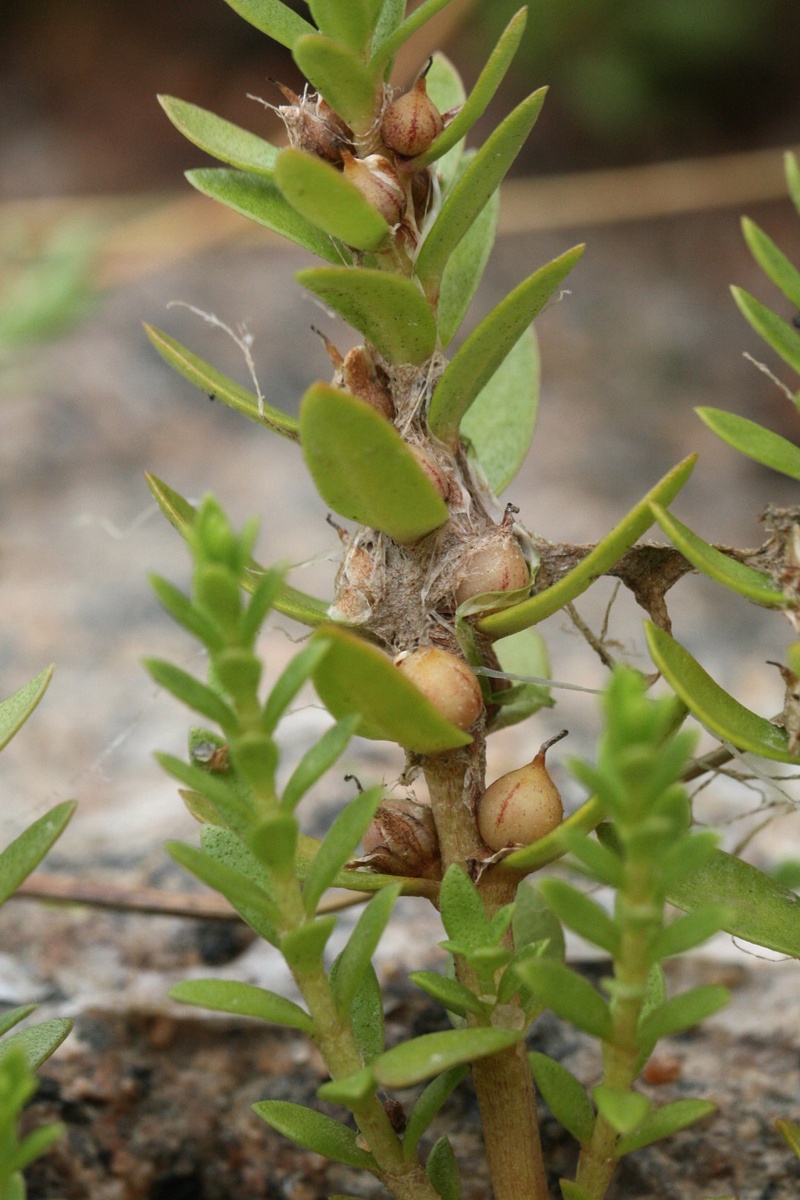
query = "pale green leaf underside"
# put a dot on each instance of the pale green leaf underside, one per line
(243, 999)
(329, 201)
(564, 1095)
(214, 384)
(27, 850)
(390, 311)
(356, 677)
(446, 90)
(308, 610)
(737, 576)
(15, 710)
(314, 1131)
(411, 1062)
(219, 138)
(465, 267)
(754, 440)
(484, 350)
(350, 23)
(500, 424)
(39, 1041)
(596, 563)
(362, 467)
(260, 200)
(341, 77)
(273, 18)
(386, 49)
(663, 1122)
(778, 333)
(481, 95)
(773, 262)
(712, 705)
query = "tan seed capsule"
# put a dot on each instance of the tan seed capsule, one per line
(495, 565)
(401, 840)
(522, 806)
(412, 122)
(312, 125)
(378, 182)
(446, 681)
(361, 377)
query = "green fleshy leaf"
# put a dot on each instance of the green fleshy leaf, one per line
(399, 33)
(564, 1095)
(342, 78)
(472, 191)
(483, 352)
(192, 692)
(481, 95)
(466, 265)
(308, 610)
(663, 1122)
(219, 138)
(213, 383)
(362, 467)
(753, 440)
(446, 90)
(792, 177)
(260, 200)
(273, 843)
(351, 23)
(350, 1091)
(607, 551)
(462, 910)
(15, 710)
(442, 1170)
(356, 677)
(183, 611)
(356, 958)
(554, 844)
(500, 423)
(761, 910)
(243, 999)
(524, 653)
(366, 1012)
(568, 994)
(33, 1147)
(755, 585)
(571, 1191)
(582, 914)
(689, 931)
(623, 1109)
(422, 1057)
(428, 1105)
(13, 1016)
(319, 759)
(451, 994)
(273, 18)
(725, 717)
(389, 310)
(297, 672)
(38, 1042)
(304, 947)
(602, 862)
(314, 1131)
(534, 922)
(27, 850)
(254, 904)
(773, 262)
(778, 333)
(682, 1012)
(391, 14)
(790, 1134)
(339, 844)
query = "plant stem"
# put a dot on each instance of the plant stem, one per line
(503, 1082)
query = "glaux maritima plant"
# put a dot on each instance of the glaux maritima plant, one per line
(436, 600)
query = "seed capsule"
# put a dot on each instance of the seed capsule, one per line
(412, 121)
(378, 182)
(522, 806)
(360, 376)
(494, 565)
(401, 840)
(446, 681)
(432, 469)
(312, 125)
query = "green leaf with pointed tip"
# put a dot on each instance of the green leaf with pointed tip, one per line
(192, 692)
(340, 841)
(15, 710)
(481, 95)
(792, 177)
(568, 994)
(755, 585)
(428, 1105)
(571, 1191)
(219, 138)
(251, 901)
(753, 440)
(297, 672)
(308, 610)
(773, 262)
(39, 1041)
(314, 1131)
(243, 999)
(466, 265)
(607, 551)
(27, 850)
(220, 387)
(467, 197)
(778, 333)
(350, 1091)
(715, 708)
(342, 77)
(319, 759)
(663, 1122)
(760, 909)
(356, 958)
(463, 913)
(688, 931)
(422, 1057)
(275, 19)
(476, 361)
(180, 608)
(623, 1109)
(442, 1170)
(500, 423)
(325, 197)
(304, 947)
(260, 200)
(386, 48)
(582, 914)
(450, 993)
(790, 1134)
(446, 90)
(681, 1012)
(351, 23)
(13, 1016)
(366, 1011)
(389, 310)
(362, 467)
(564, 1095)
(392, 13)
